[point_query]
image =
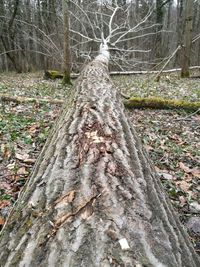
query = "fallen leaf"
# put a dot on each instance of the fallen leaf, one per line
(33, 129)
(30, 161)
(22, 171)
(4, 203)
(184, 186)
(187, 177)
(184, 167)
(11, 166)
(2, 221)
(157, 169)
(194, 171)
(148, 148)
(5, 185)
(182, 200)
(22, 157)
(5, 151)
(166, 176)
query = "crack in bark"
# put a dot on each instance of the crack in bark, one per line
(66, 218)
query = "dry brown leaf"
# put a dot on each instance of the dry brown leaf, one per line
(182, 200)
(22, 157)
(22, 171)
(29, 161)
(4, 203)
(184, 186)
(11, 166)
(195, 172)
(33, 129)
(184, 167)
(5, 185)
(158, 169)
(148, 148)
(6, 153)
(2, 221)
(197, 117)
(187, 177)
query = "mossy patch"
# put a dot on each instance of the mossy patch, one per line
(160, 103)
(53, 74)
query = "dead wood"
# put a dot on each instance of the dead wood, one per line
(93, 198)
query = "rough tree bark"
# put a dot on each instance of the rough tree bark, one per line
(93, 198)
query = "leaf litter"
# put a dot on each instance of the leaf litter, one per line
(171, 138)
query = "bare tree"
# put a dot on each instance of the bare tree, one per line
(67, 52)
(8, 35)
(187, 39)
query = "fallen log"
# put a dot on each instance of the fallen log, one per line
(93, 198)
(54, 74)
(160, 103)
(150, 71)
(133, 102)
(21, 99)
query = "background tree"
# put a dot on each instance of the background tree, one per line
(67, 52)
(187, 39)
(160, 14)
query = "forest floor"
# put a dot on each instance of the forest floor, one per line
(171, 137)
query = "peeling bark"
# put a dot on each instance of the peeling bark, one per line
(93, 198)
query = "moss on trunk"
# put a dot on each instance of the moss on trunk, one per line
(53, 74)
(66, 78)
(160, 103)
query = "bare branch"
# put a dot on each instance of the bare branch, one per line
(87, 17)
(196, 38)
(134, 28)
(110, 24)
(170, 57)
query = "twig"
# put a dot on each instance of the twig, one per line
(173, 54)
(187, 117)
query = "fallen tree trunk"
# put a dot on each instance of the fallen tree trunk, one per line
(93, 198)
(21, 99)
(54, 74)
(133, 102)
(160, 103)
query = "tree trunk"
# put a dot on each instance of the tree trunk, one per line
(93, 199)
(67, 54)
(187, 40)
(179, 29)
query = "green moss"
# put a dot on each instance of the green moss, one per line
(53, 74)
(66, 78)
(185, 74)
(160, 103)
